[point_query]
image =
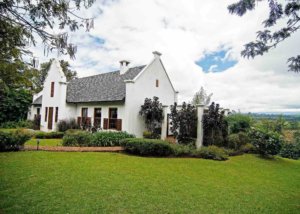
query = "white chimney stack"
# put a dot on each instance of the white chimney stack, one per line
(156, 54)
(124, 66)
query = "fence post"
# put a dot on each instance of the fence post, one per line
(200, 112)
(164, 124)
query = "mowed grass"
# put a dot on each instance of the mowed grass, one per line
(44, 142)
(58, 182)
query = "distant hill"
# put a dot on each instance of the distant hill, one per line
(289, 116)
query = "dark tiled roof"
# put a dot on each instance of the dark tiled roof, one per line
(101, 88)
(38, 101)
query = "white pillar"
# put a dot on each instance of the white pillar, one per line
(200, 112)
(164, 124)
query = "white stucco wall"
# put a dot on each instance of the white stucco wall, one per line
(144, 86)
(55, 75)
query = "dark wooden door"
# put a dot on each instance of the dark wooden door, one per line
(50, 118)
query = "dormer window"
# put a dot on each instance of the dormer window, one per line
(157, 83)
(52, 89)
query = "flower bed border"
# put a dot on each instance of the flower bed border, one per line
(73, 149)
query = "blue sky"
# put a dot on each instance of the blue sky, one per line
(195, 44)
(216, 62)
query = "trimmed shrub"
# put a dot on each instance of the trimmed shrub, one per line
(77, 138)
(211, 152)
(150, 135)
(64, 125)
(147, 147)
(182, 150)
(232, 152)
(17, 124)
(238, 123)
(291, 150)
(107, 138)
(48, 135)
(296, 135)
(265, 143)
(13, 140)
(235, 141)
(247, 148)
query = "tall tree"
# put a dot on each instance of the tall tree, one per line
(215, 127)
(270, 37)
(152, 112)
(32, 18)
(201, 97)
(184, 123)
(41, 75)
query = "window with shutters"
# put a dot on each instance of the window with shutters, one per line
(113, 116)
(52, 89)
(56, 114)
(84, 116)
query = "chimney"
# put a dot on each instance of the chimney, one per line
(124, 66)
(156, 54)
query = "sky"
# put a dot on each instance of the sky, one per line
(200, 44)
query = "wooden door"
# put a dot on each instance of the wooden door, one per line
(50, 117)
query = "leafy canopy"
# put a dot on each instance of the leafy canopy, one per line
(152, 112)
(269, 38)
(184, 123)
(201, 97)
(22, 20)
(215, 127)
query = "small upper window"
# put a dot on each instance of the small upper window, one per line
(157, 83)
(52, 89)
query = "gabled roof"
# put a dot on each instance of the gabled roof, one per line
(102, 87)
(38, 101)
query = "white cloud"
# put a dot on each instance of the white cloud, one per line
(184, 31)
(213, 68)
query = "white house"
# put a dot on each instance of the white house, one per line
(110, 100)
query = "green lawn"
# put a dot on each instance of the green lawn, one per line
(59, 182)
(44, 142)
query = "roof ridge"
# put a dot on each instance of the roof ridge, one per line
(110, 72)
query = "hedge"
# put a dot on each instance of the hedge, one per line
(291, 150)
(211, 152)
(77, 138)
(147, 147)
(83, 138)
(48, 135)
(13, 140)
(109, 138)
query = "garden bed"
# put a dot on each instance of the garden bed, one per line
(73, 148)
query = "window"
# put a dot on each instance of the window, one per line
(52, 89)
(56, 114)
(113, 116)
(84, 117)
(97, 117)
(84, 112)
(46, 113)
(38, 111)
(157, 83)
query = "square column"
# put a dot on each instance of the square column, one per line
(200, 112)
(164, 124)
